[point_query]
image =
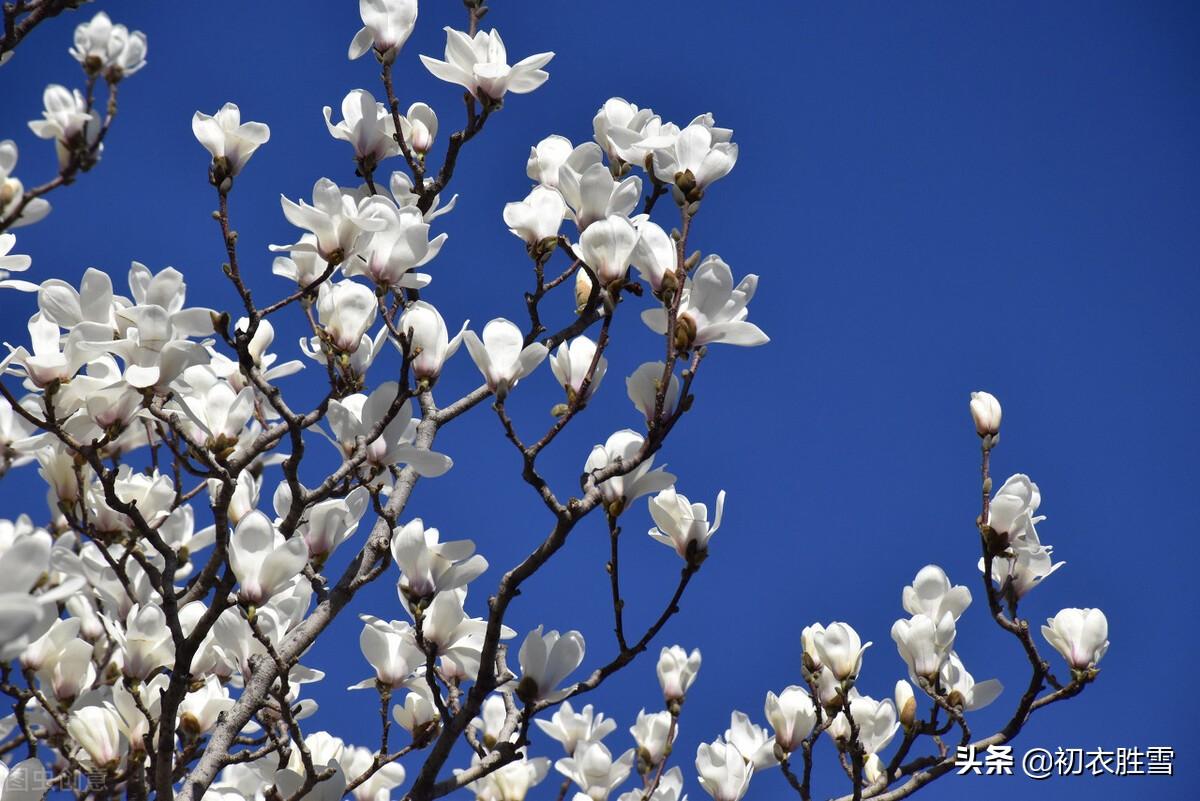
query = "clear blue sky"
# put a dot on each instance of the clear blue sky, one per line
(938, 197)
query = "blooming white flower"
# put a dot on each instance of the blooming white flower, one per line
(200, 708)
(591, 191)
(332, 521)
(428, 339)
(390, 257)
(680, 523)
(429, 566)
(622, 489)
(677, 670)
(792, 715)
(340, 224)
(712, 309)
(876, 721)
(419, 127)
(653, 735)
(69, 122)
(502, 356)
(723, 773)
(367, 125)
(593, 769)
(390, 648)
(692, 159)
(655, 256)
(230, 141)
(546, 157)
(619, 126)
(537, 217)
(13, 263)
(839, 649)
(607, 247)
(1030, 563)
(511, 782)
(263, 561)
(670, 788)
(387, 24)
(924, 644)
(102, 47)
(1080, 635)
(547, 659)
(357, 761)
(145, 643)
(12, 191)
(346, 310)
(97, 730)
(751, 741)
(72, 671)
(570, 728)
(931, 595)
(358, 416)
(571, 364)
(418, 710)
(960, 687)
(1013, 505)
(986, 412)
(479, 64)
(643, 386)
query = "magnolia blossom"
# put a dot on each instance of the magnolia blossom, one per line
(792, 715)
(358, 761)
(419, 125)
(230, 141)
(12, 191)
(692, 159)
(1080, 635)
(97, 729)
(931, 595)
(69, 121)
(723, 773)
(654, 735)
(346, 310)
(986, 412)
(387, 24)
(391, 256)
(429, 341)
(619, 126)
(511, 782)
(593, 768)
(644, 385)
(390, 648)
(1031, 562)
(502, 356)
(547, 157)
(677, 670)
(712, 309)
(418, 710)
(572, 364)
(655, 255)
(367, 125)
(876, 722)
(429, 566)
(479, 64)
(538, 217)
(146, 642)
(386, 428)
(546, 660)
(591, 191)
(684, 525)
(1014, 506)
(838, 648)
(751, 740)
(199, 710)
(924, 643)
(263, 561)
(960, 687)
(670, 788)
(331, 522)
(340, 224)
(570, 728)
(102, 47)
(607, 247)
(627, 486)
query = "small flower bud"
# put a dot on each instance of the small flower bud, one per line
(985, 410)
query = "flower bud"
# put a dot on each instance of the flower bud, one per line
(985, 410)
(906, 704)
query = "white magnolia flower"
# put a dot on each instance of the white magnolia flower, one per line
(332, 521)
(547, 157)
(367, 125)
(492, 717)
(357, 417)
(537, 217)
(263, 561)
(102, 47)
(655, 256)
(986, 412)
(12, 191)
(72, 672)
(751, 740)
(1030, 563)
(622, 489)
(931, 595)
(792, 715)
(695, 157)
(643, 386)
(502, 356)
(607, 247)
(570, 728)
(593, 769)
(145, 643)
(419, 127)
(546, 660)
(357, 761)
(924, 644)
(390, 257)
(13, 263)
(69, 122)
(619, 126)
(391, 648)
(1013, 505)
(346, 310)
(429, 566)
(961, 687)
(230, 141)
(723, 773)
(591, 191)
(712, 309)
(670, 788)
(429, 341)
(839, 649)
(876, 721)
(387, 24)
(1080, 635)
(680, 523)
(653, 736)
(340, 224)
(571, 364)
(479, 64)
(511, 782)
(418, 710)
(97, 730)
(199, 710)
(677, 671)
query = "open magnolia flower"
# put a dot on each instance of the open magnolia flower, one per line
(684, 525)
(479, 64)
(387, 24)
(712, 309)
(546, 660)
(263, 561)
(230, 141)
(502, 356)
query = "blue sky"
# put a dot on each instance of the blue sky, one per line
(938, 198)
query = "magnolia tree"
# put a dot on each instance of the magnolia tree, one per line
(158, 655)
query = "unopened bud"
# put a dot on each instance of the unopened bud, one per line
(906, 703)
(985, 410)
